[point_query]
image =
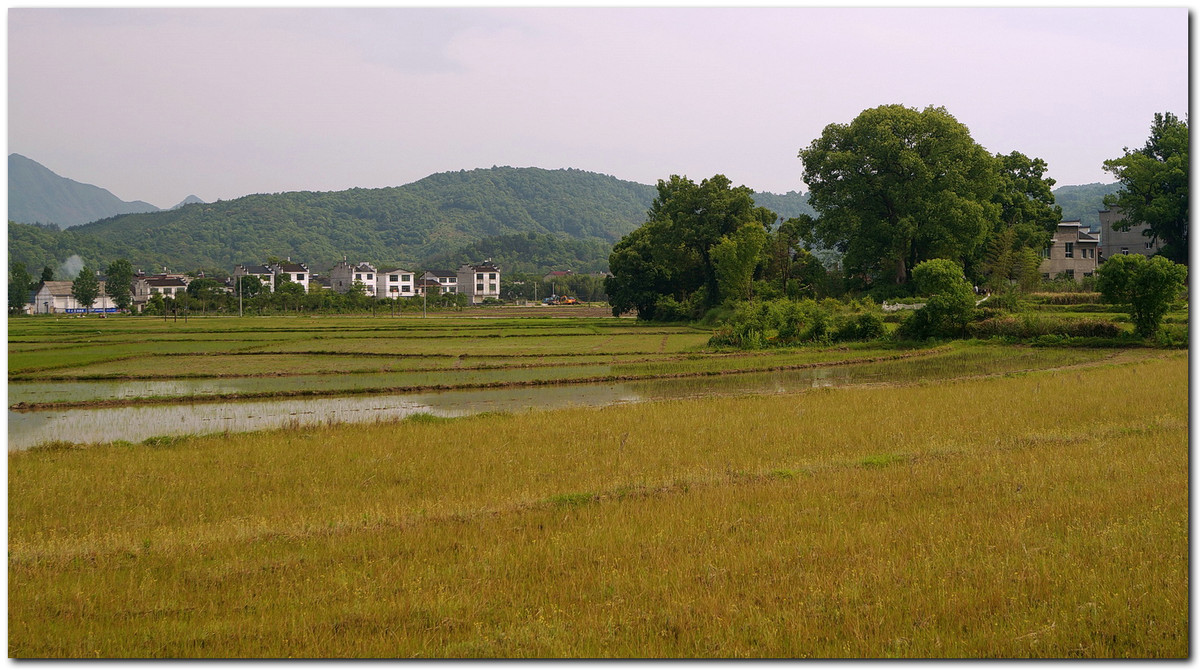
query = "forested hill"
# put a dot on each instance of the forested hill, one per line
(1083, 203)
(535, 218)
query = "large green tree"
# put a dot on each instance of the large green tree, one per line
(20, 283)
(119, 283)
(897, 186)
(86, 288)
(670, 256)
(1154, 186)
(1146, 285)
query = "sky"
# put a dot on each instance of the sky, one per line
(157, 104)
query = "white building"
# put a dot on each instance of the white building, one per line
(447, 279)
(54, 297)
(344, 276)
(265, 274)
(395, 283)
(479, 282)
(297, 273)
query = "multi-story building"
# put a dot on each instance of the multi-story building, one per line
(395, 283)
(479, 282)
(447, 279)
(1072, 251)
(264, 273)
(1132, 241)
(343, 277)
(297, 273)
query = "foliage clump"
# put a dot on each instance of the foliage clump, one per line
(1147, 286)
(950, 304)
(781, 323)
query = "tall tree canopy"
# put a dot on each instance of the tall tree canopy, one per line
(20, 283)
(1146, 286)
(1154, 185)
(897, 186)
(86, 288)
(671, 256)
(1028, 217)
(119, 283)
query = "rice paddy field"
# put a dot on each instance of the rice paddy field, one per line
(962, 500)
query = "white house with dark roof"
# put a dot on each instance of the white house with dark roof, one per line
(447, 279)
(395, 283)
(297, 273)
(145, 286)
(265, 274)
(479, 282)
(343, 277)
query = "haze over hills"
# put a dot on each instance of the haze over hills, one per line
(38, 195)
(525, 219)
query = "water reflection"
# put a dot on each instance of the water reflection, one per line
(26, 429)
(106, 424)
(134, 424)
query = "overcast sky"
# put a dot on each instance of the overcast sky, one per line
(157, 104)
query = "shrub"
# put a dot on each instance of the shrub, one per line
(1147, 285)
(1029, 326)
(1066, 298)
(865, 326)
(949, 307)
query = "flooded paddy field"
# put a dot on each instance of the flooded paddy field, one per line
(131, 379)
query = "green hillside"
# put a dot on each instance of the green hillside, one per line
(1083, 203)
(527, 218)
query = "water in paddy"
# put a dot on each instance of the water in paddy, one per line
(136, 423)
(82, 391)
(133, 424)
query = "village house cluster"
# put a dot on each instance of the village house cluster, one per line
(1074, 251)
(478, 282)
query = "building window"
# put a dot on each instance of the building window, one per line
(357, 276)
(492, 275)
(492, 288)
(1069, 250)
(393, 277)
(478, 276)
(299, 277)
(406, 278)
(406, 288)
(479, 288)
(370, 277)
(1070, 274)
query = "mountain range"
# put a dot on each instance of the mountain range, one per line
(38, 195)
(525, 219)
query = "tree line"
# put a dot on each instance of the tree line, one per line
(892, 191)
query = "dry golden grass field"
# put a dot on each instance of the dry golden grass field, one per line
(1033, 514)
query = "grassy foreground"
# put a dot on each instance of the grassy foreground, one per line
(1015, 516)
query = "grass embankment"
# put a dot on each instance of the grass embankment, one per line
(1003, 517)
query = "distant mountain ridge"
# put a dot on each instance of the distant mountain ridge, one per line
(523, 217)
(38, 195)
